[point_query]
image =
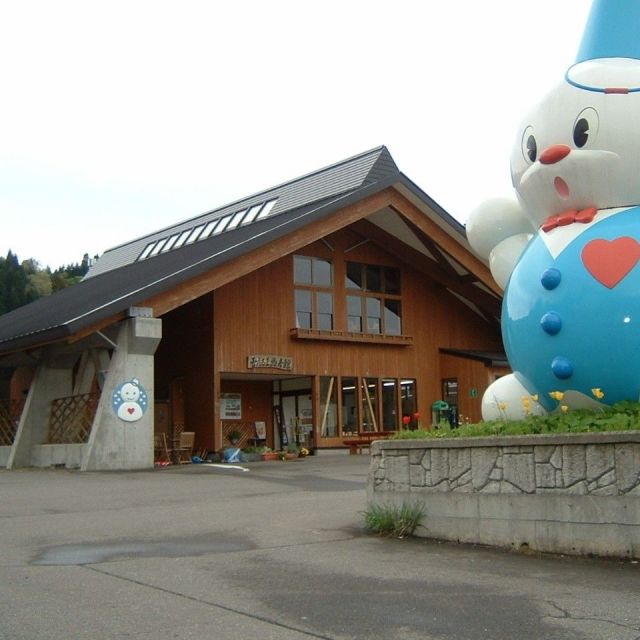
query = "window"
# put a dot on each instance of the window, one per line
(389, 404)
(313, 278)
(348, 397)
(370, 404)
(379, 313)
(351, 405)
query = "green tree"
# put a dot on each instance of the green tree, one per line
(14, 284)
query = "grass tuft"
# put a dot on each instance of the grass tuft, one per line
(392, 520)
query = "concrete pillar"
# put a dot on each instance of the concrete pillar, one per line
(52, 380)
(115, 443)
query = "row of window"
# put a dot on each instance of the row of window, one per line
(372, 296)
(213, 228)
(351, 405)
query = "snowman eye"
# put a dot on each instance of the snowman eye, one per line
(529, 145)
(585, 127)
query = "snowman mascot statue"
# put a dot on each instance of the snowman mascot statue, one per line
(567, 252)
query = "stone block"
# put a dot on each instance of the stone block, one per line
(543, 453)
(417, 475)
(600, 460)
(416, 455)
(574, 464)
(397, 470)
(483, 461)
(439, 465)
(518, 470)
(627, 458)
(545, 476)
(459, 463)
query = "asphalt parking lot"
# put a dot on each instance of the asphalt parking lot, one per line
(277, 551)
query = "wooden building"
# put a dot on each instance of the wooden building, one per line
(336, 304)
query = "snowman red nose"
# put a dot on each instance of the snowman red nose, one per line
(554, 153)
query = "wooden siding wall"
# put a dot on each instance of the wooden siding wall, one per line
(186, 351)
(256, 397)
(471, 374)
(254, 315)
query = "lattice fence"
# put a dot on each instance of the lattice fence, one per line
(71, 418)
(245, 430)
(9, 418)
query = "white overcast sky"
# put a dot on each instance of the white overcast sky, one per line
(118, 118)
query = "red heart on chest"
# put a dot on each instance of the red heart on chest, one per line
(130, 410)
(609, 261)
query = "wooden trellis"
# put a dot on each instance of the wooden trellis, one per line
(71, 418)
(246, 431)
(9, 418)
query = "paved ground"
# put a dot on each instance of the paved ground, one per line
(277, 552)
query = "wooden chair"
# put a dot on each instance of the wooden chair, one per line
(161, 452)
(184, 451)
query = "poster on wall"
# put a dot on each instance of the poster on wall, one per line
(230, 406)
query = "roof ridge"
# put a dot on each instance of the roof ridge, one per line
(381, 149)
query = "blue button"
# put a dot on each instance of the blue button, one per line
(562, 367)
(550, 278)
(551, 322)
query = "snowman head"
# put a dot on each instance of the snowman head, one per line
(580, 147)
(130, 392)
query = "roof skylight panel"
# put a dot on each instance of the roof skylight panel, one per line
(182, 239)
(222, 223)
(156, 249)
(251, 214)
(193, 236)
(146, 251)
(170, 242)
(208, 229)
(266, 210)
(235, 221)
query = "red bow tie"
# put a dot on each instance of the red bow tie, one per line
(569, 217)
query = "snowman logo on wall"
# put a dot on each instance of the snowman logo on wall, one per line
(567, 251)
(130, 401)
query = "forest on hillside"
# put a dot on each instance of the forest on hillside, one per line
(24, 282)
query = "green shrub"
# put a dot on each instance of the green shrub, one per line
(623, 416)
(392, 520)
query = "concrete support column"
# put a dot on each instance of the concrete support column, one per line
(115, 443)
(52, 380)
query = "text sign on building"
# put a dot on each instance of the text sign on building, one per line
(260, 361)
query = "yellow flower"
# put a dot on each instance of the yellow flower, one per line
(502, 406)
(564, 408)
(597, 392)
(556, 395)
(534, 397)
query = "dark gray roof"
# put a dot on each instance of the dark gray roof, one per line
(321, 185)
(124, 281)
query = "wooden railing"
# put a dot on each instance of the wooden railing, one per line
(71, 418)
(9, 417)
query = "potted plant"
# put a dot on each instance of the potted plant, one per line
(251, 454)
(292, 452)
(268, 453)
(234, 436)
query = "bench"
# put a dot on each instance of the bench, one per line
(364, 440)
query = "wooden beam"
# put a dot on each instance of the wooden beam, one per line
(238, 267)
(486, 302)
(454, 248)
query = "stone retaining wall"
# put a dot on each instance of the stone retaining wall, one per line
(568, 494)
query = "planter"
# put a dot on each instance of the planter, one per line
(271, 455)
(290, 456)
(559, 493)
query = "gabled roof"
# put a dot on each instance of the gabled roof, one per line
(323, 185)
(132, 273)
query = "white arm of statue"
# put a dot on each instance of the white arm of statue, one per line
(498, 230)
